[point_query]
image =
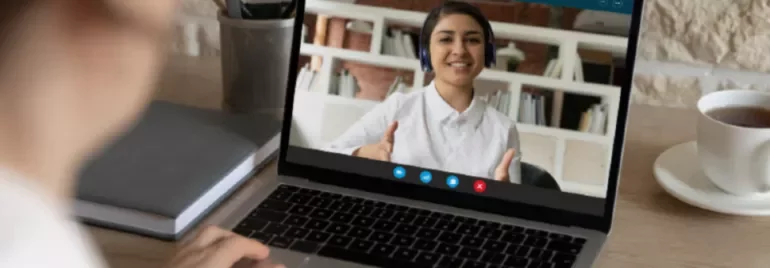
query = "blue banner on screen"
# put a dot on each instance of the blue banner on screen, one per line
(618, 6)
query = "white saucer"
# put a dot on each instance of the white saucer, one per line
(677, 170)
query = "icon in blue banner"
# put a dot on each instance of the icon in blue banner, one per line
(425, 177)
(399, 172)
(452, 181)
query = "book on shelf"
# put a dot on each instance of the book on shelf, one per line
(398, 43)
(344, 84)
(594, 119)
(305, 78)
(498, 99)
(532, 109)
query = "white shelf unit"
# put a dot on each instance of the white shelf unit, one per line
(567, 41)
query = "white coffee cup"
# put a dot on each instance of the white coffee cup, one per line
(735, 158)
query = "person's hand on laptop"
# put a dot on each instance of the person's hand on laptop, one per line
(501, 172)
(382, 149)
(214, 247)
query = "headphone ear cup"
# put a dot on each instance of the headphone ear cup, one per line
(425, 60)
(490, 54)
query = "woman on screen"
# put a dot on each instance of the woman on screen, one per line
(443, 126)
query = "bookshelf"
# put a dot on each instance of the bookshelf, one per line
(565, 77)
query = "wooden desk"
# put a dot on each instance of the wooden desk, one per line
(652, 229)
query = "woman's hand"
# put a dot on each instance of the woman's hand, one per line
(501, 172)
(217, 248)
(381, 150)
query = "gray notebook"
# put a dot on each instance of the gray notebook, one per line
(171, 168)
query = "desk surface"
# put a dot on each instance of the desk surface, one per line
(651, 229)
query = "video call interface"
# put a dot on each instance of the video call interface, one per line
(512, 100)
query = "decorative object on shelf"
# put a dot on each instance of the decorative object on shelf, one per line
(359, 26)
(509, 57)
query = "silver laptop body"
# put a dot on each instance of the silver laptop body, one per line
(370, 187)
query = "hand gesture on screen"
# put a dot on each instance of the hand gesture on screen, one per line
(217, 248)
(382, 149)
(501, 172)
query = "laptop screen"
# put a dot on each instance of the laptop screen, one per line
(512, 100)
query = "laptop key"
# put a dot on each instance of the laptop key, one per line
(268, 215)
(361, 245)
(383, 249)
(300, 199)
(493, 257)
(535, 241)
(253, 224)
(342, 217)
(403, 241)
(450, 238)
(288, 188)
(321, 214)
(297, 233)
(513, 238)
(450, 262)
(305, 246)
(276, 228)
(319, 237)
(338, 228)
(473, 242)
(447, 249)
(381, 237)
(385, 226)
(517, 261)
(494, 246)
(473, 264)
(295, 220)
(317, 224)
(301, 210)
(280, 242)
(565, 259)
(340, 241)
(406, 254)
(358, 232)
(245, 232)
(425, 245)
(560, 246)
(427, 258)
(428, 233)
(470, 253)
(365, 222)
(579, 241)
(405, 229)
(275, 205)
(320, 202)
(425, 222)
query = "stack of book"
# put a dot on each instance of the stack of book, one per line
(498, 99)
(594, 119)
(532, 109)
(344, 84)
(399, 43)
(305, 78)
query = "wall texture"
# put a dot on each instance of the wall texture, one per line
(686, 49)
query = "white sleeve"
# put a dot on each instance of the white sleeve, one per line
(367, 130)
(514, 170)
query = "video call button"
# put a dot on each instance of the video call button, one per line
(479, 186)
(399, 172)
(425, 177)
(452, 181)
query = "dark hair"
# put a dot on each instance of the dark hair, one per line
(453, 7)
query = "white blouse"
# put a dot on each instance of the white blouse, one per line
(38, 232)
(432, 134)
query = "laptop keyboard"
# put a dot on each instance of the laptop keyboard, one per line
(388, 235)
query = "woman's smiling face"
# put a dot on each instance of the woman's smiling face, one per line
(457, 49)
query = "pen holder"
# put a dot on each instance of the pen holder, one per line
(255, 64)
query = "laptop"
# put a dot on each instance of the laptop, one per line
(332, 209)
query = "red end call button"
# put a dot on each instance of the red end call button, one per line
(479, 186)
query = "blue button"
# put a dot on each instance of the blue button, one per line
(425, 177)
(452, 181)
(399, 172)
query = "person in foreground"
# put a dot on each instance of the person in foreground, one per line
(73, 75)
(443, 126)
